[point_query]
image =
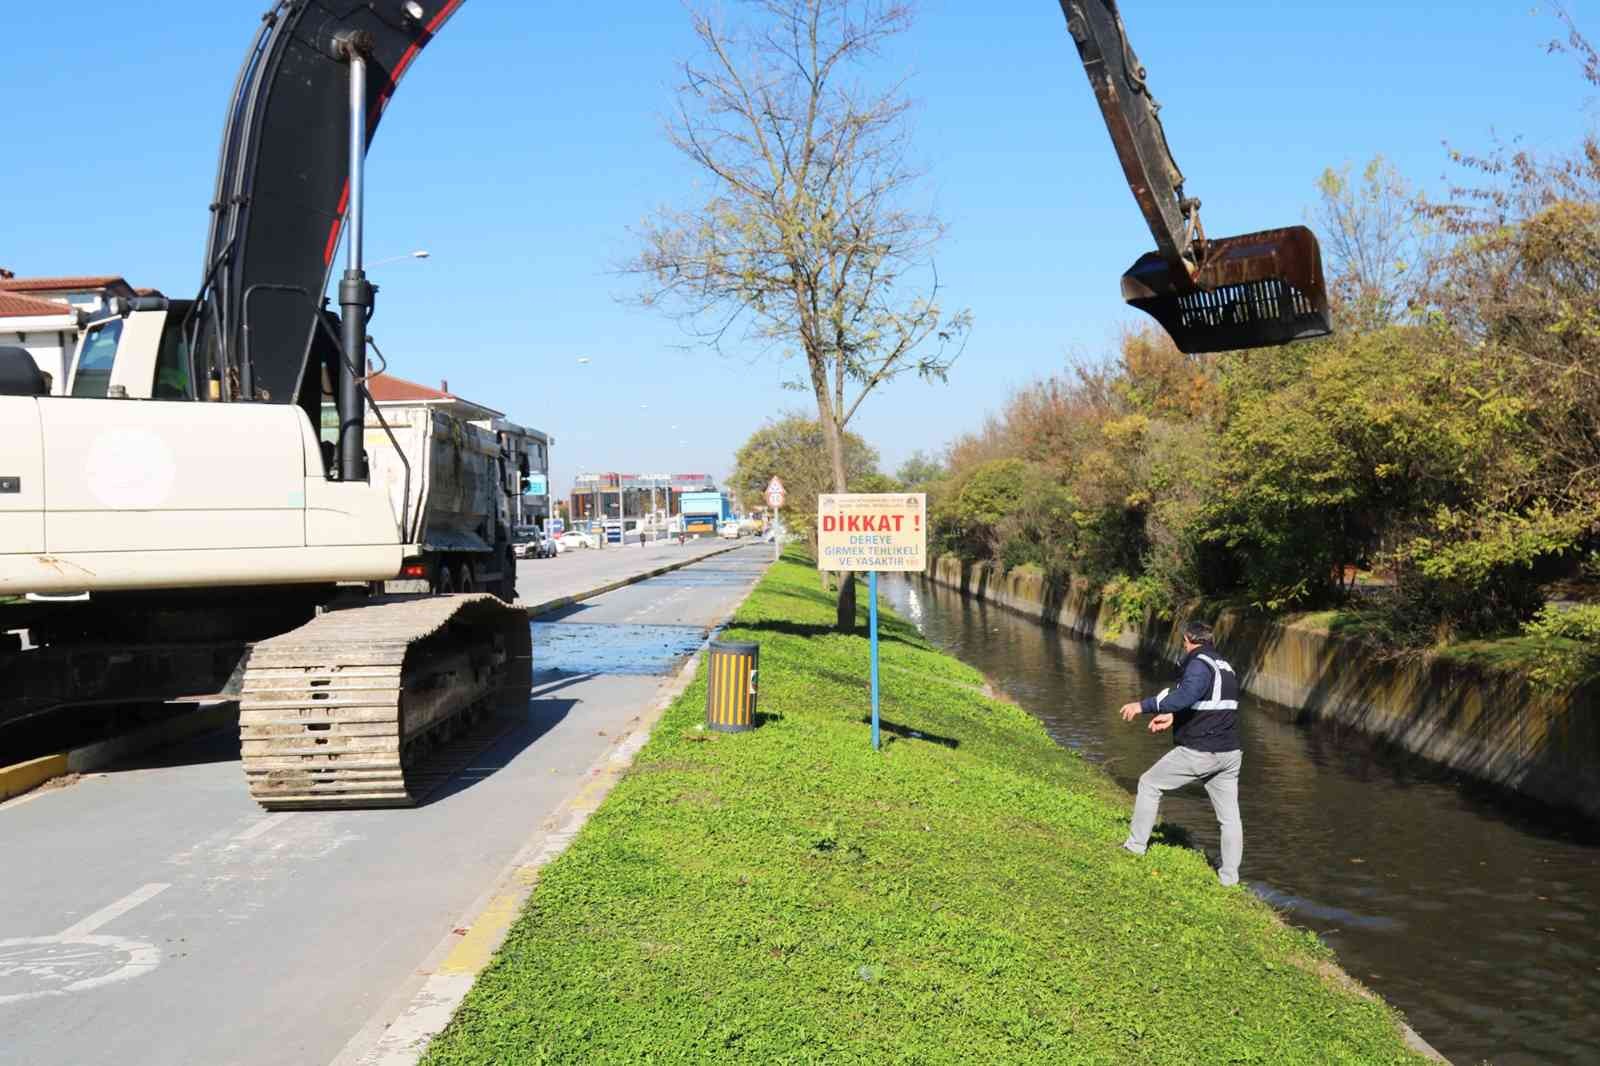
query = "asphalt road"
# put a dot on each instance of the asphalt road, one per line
(584, 568)
(155, 915)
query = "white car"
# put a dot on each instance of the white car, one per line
(575, 538)
(729, 531)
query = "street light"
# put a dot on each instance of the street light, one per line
(420, 253)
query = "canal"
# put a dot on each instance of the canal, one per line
(1477, 916)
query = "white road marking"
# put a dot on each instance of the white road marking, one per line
(265, 825)
(63, 966)
(75, 960)
(114, 911)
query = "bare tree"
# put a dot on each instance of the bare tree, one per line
(808, 244)
(1380, 243)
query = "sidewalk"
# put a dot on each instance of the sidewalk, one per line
(547, 584)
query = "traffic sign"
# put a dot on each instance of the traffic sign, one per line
(775, 493)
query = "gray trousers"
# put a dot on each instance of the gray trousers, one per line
(1220, 773)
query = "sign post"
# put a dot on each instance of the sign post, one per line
(872, 532)
(775, 498)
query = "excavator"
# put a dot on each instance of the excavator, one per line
(177, 525)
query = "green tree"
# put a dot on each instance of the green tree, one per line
(969, 519)
(1361, 446)
(919, 469)
(806, 244)
(792, 448)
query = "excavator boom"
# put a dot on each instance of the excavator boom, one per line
(1248, 291)
(282, 181)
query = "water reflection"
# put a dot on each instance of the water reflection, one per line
(1478, 918)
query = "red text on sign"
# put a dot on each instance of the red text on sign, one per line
(862, 523)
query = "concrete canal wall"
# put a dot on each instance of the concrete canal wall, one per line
(1489, 724)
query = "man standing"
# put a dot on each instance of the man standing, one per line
(1203, 713)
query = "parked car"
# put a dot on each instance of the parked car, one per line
(576, 538)
(534, 544)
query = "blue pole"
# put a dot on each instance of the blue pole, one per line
(872, 615)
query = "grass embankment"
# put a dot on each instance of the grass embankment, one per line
(788, 895)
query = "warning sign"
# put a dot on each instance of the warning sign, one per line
(884, 531)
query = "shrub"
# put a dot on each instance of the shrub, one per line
(1570, 654)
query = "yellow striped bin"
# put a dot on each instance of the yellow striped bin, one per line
(731, 686)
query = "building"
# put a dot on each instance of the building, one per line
(534, 504)
(637, 496)
(46, 315)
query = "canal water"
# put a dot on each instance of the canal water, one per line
(1478, 917)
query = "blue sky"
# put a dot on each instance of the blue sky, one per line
(526, 142)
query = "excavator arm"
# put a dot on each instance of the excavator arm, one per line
(283, 195)
(283, 187)
(1248, 291)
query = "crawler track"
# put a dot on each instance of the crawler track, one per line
(335, 713)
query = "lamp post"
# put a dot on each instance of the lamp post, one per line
(420, 253)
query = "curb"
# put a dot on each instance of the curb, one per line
(26, 776)
(546, 606)
(23, 777)
(399, 1034)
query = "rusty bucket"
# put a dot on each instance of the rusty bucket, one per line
(1251, 291)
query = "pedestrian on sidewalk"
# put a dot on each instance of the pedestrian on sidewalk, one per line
(1203, 714)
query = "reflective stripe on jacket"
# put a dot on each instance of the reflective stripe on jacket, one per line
(1205, 702)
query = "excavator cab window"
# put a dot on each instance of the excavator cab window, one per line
(172, 358)
(96, 356)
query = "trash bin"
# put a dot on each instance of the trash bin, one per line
(731, 686)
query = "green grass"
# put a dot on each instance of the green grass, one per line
(788, 895)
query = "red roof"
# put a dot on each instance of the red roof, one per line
(387, 387)
(76, 284)
(15, 305)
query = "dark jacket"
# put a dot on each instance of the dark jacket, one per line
(1204, 703)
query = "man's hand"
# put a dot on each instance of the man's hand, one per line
(1129, 711)
(1160, 722)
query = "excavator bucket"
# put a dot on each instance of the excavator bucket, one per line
(1251, 291)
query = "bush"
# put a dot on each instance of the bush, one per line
(1130, 600)
(1571, 654)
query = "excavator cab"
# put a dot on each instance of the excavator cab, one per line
(1250, 291)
